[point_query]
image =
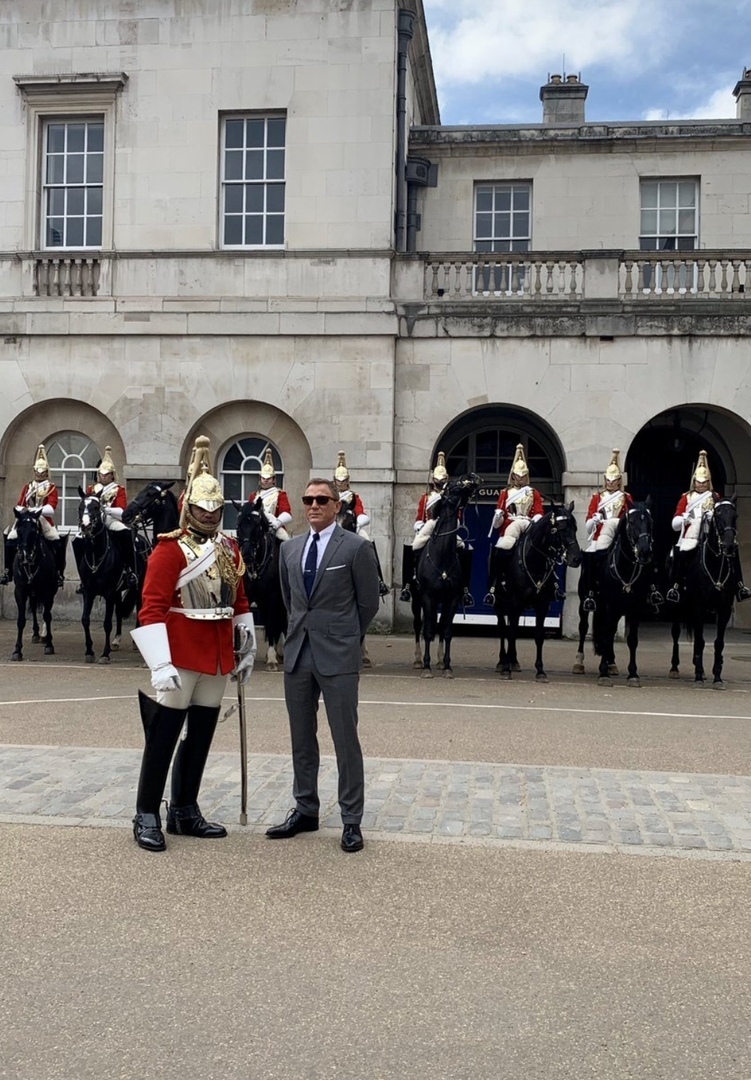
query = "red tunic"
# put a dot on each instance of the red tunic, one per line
(683, 502)
(509, 515)
(282, 502)
(196, 644)
(355, 504)
(50, 499)
(594, 505)
(120, 498)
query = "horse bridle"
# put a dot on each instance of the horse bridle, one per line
(30, 563)
(252, 571)
(551, 563)
(633, 544)
(93, 533)
(720, 583)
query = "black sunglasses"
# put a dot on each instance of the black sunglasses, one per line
(319, 500)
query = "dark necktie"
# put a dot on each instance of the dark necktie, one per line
(311, 565)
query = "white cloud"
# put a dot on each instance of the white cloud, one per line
(472, 41)
(720, 105)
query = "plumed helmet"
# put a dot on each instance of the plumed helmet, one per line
(341, 472)
(701, 472)
(267, 469)
(203, 488)
(440, 472)
(107, 465)
(613, 471)
(41, 464)
(519, 465)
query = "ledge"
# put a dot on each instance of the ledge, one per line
(82, 82)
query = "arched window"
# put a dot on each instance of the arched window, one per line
(239, 472)
(73, 460)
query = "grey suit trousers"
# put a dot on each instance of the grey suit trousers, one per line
(302, 691)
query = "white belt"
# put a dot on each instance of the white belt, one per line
(205, 613)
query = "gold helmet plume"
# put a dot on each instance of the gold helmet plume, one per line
(341, 472)
(613, 471)
(107, 465)
(41, 464)
(440, 472)
(519, 465)
(701, 472)
(267, 469)
(203, 488)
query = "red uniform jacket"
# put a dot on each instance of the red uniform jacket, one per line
(196, 645)
(356, 504)
(50, 498)
(509, 515)
(120, 499)
(282, 502)
(682, 506)
(594, 503)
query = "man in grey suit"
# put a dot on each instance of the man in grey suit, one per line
(330, 588)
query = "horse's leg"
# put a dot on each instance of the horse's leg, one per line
(428, 633)
(511, 620)
(20, 624)
(118, 625)
(447, 633)
(675, 633)
(49, 648)
(512, 659)
(723, 617)
(605, 639)
(699, 649)
(632, 639)
(500, 619)
(417, 628)
(35, 636)
(578, 668)
(109, 607)
(540, 613)
(88, 602)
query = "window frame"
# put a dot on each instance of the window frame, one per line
(677, 236)
(503, 280)
(243, 182)
(66, 186)
(249, 478)
(84, 475)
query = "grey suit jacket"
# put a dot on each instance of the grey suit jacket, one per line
(341, 606)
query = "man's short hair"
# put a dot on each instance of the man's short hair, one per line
(322, 481)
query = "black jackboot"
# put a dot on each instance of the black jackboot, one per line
(11, 547)
(489, 597)
(742, 592)
(60, 551)
(408, 569)
(162, 727)
(184, 816)
(675, 574)
(465, 561)
(124, 540)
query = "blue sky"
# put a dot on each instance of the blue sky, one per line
(642, 59)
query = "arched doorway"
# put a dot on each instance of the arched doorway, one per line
(484, 441)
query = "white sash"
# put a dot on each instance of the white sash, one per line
(521, 493)
(200, 564)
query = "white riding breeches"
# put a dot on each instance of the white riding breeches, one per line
(49, 532)
(196, 689)
(607, 535)
(514, 530)
(690, 538)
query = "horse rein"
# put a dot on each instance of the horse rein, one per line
(712, 528)
(551, 563)
(633, 544)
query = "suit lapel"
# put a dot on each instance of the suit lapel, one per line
(331, 548)
(295, 561)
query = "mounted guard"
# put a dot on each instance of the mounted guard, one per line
(519, 504)
(114, 500)
(276, 504)
(38, 493)
(352, 501)
(606, 508)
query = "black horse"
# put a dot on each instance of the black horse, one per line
(34, 578)
(153, 511)
(708, 588)
(623, 580)
(438, 579)
(530, 582)
(101, 569)
(260, 551)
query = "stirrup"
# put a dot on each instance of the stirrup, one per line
(588, 603)
(559, 594)
(489, 597)
(5, 579)
(468, 599)
(60, 581)
(673, 595)
(405, 595)
(743, 593)
(383, 589)
(655, 597)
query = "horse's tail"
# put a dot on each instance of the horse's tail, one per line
(128, 602)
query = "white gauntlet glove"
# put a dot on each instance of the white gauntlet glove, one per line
(153, 644)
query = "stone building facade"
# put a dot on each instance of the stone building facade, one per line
(245, 219)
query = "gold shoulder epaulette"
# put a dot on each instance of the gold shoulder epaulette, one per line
(170, 535)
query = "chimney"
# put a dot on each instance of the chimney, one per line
(742, 93)
(563, 100)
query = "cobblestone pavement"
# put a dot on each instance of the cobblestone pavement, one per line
(428, 801)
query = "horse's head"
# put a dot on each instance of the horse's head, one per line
(252, 523)
(28, 531)
(458, 493)
(725, 525)
(636, 528)
(148, 503)
(90, 519)
(561, 526)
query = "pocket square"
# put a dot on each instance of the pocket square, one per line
(341, 566)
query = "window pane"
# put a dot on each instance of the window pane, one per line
(483, 224)
(521, 198)
(667, 222)
(55, 169)
(233, 198)
(276, 132)
(233, 230)
(56, 138)
(94, 232)
(94, 201)
(503, 198)
(275, 198)
(254, 132)
(254, 165)
(668, 194)
(649, 195)
(687, 194)
(96, 138)
(254, 230)
(502, 225)
(254, 198)
(55, 202)
(483, 245)
(275, 165)
(649, 221)
(484, 199)
(74, 173)
(686, 243)
(75, 201)
(520, 224)
(233, 133)
(233, 165)
(76, 138)
(55, 232)
(275, 229)
(686, 221)
(75, 232)
(94, 164)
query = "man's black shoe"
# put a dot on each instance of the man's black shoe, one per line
(147, 829)
(294, 823)
(352, 838)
